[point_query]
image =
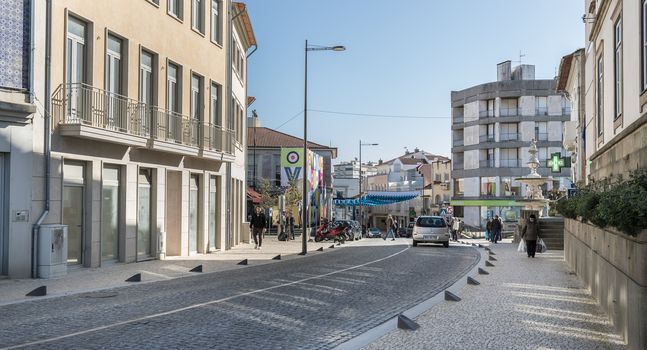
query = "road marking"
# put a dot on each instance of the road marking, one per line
(195, 306)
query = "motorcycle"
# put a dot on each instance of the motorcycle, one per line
(335, 231)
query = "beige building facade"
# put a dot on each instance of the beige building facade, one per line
(616, 87)
(148, 149)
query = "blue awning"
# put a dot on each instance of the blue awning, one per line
(375, 198)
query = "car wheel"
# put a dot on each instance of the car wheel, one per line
(446, 244)
(415, 243)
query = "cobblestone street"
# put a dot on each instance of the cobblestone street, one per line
(316, 302)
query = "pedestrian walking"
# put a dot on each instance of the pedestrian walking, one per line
(390, 225)
(291, 224)
(258, 225)
(530, 234)
(455, 227)
(461, 228)
(488, 229)
(496, 229)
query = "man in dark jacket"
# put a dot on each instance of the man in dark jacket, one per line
(530, 233)
(257, 224)
(497, 226)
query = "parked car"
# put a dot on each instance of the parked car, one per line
(405, 231)
(431, 229)
(374, 232)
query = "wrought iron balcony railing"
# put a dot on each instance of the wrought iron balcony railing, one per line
(81, 104)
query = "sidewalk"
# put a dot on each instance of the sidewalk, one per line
(523, 303)
(84, 280)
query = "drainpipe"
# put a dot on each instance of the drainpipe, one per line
(46, 131)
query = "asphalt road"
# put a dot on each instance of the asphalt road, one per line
(317, 302)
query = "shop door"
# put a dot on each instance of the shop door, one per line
(144, 214)
(213, 211)
(73, 200)
(193, 214)
(110, 214)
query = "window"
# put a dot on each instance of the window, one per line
(542, 105)
(508, 107)
(197, 15)
(113, 65)
(175, 8)
(541, 131)
(196, 97)
(644, 44)
(458, 187)
(488, 186)
(617, 67)
(600, 95)
(215, 20)
(75, 66)
(172, 89)
(75, 57)
(146, 78)
(509, 157)
(509, 132)
(215, 104)
(156, 2)
(542, 155)
(510, 187)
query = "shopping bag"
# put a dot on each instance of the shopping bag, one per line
(522, 246)
(541, 246)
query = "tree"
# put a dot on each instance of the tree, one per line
(292, 196)
(268, 196)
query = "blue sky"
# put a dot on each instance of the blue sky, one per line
(403, 57)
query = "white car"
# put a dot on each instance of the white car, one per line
(431, 229)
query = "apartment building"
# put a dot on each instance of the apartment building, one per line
(492, 127)
(22, 61)
(615, 87)
(146, 126)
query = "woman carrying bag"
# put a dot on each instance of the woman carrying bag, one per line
(530, 234)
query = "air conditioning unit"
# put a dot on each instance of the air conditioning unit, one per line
(52, 251)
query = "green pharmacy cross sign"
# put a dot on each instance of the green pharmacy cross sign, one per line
(556, 163)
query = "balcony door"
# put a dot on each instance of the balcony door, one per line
(172, 103)
(75, 68)
(113, 83)
(146, 90)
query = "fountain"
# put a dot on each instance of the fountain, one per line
(534, 198)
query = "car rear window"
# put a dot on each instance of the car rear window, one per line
(430, 222)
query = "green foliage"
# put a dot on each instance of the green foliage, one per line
(268, 198)
(619, 202)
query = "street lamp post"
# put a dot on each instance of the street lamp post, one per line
(361, 206)
(304, 206)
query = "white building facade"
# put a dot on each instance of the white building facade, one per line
(492, 127)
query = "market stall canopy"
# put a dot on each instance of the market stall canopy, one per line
(254, 196)
(372, 199)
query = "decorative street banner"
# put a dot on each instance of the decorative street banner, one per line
(291, 165)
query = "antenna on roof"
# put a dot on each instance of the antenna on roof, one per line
(521, 56)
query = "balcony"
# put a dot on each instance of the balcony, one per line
(509, 137)
(541, 111)
(486, 114)
(91, 113)
(458, 165)
(486, 163)
(508, 112)
(486, 138)
(509, 163)
(458, 143)
(542, 136)
(459, 119)
(87, 112)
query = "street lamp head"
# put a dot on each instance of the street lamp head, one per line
(339, 48)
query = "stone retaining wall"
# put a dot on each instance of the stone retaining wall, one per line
(614, 266)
